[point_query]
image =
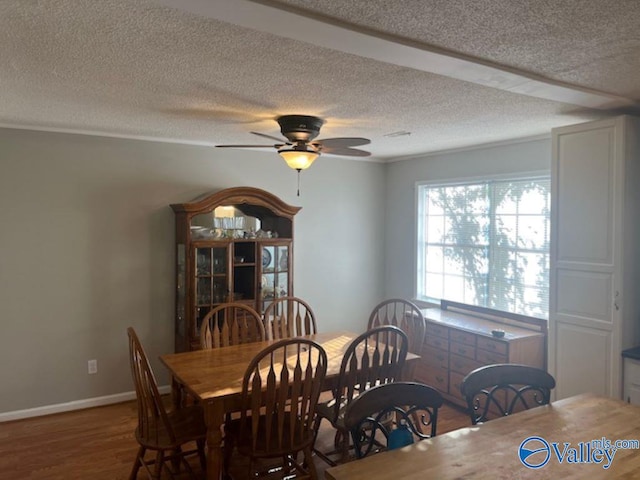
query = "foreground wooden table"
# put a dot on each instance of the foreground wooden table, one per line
(215, 378)
(492, 450)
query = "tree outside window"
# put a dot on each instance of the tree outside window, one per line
(486, 244)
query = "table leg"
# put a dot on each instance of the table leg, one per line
(176, 393)
(214, 418)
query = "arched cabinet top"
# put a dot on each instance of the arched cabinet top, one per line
(251, 201)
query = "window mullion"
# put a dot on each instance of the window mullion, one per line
(492, 245)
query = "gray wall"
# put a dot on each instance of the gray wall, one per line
(86, 249)
(399, 250)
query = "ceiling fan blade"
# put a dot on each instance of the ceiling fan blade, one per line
(267, 136)
(343, 142)
(251, 146)
(345, 151)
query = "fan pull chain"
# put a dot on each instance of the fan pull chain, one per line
(298, 181)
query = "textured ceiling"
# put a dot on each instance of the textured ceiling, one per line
(192, 70)
(592, 43)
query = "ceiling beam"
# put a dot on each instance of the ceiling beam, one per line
(395, 51)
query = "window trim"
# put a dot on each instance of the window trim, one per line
(451, 182)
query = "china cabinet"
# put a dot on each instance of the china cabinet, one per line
(595, 262)
(233, 245)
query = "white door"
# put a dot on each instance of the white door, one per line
(583, 330)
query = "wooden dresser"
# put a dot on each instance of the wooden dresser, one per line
(457, 343)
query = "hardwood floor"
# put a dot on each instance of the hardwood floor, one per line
(98, 443)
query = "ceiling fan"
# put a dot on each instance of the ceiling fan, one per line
(300, 149)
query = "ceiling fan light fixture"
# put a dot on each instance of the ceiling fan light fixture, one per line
(298, 158)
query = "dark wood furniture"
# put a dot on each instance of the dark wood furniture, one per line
(499, 390)
(280, 391)
(288, 317)
(490, 450)
(373, 358)
(369, 413)
(214, 378)
(158, 430)
(459, 340)
(235, 245)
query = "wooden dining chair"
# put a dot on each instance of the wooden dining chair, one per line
(231, 324)
(503, 389)
(280, 392)
(406, 315)
(163, 432)
(403, 314)
(374, 358)
(367, 416)
(289, 317)
(227, 324)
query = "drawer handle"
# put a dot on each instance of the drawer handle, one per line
(462, 351)
(440, 357)
(491, 346)
(439, 379)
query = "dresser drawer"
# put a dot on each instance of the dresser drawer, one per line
(462, 337)
(462, 349)
(434, 357)
(455, 380)
(437, 330)
(433, 376)
(455, 344)
(487, 358)
(492, 345)
(462, 365)
(437, 342)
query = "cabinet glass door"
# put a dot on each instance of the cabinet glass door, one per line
(275, 273)
(181, 289)
(212, 280)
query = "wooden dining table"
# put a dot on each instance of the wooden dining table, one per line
(563, 447)
(214, 378)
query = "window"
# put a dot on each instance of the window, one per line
(486, 243)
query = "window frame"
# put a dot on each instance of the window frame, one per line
(418, 254)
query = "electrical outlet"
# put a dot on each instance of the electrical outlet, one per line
(93, 366)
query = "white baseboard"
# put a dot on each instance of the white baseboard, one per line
(75, 405)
